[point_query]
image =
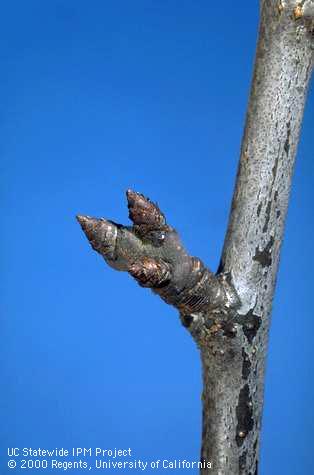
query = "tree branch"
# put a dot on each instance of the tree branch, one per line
(151, 251)
(228, 313)
(283, 66)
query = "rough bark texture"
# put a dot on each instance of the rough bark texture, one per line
(228, 313)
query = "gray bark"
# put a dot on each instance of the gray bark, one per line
(228, 313)
(283, 67)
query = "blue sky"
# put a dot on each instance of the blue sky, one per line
(95, 98)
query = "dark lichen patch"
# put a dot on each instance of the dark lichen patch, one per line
(244, 413)
(242, 461)
(246, 365)
(255, 444)
(228, 329)
(264, 256)
(287, 141)
(187, 320)
(267, 212)
(276, 195)
(275, 168)
(259, 209)
(250, 324)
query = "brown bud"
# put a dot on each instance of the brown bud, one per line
(143, 211)
(151, 272)
(101, 234)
